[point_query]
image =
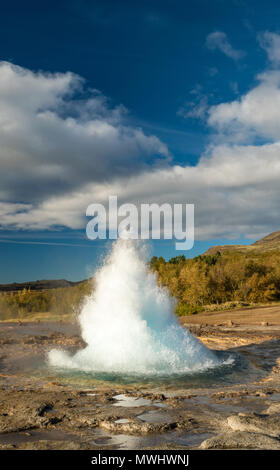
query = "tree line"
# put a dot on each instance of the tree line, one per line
(198, 284)
(251, 277)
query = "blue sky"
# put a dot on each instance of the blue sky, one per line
(159, 101)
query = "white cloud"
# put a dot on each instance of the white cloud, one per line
(65, 154)
(270, 42)
(52, 142)
(219, 40)
(197, 107)
(195, 110)
(257, 113)
(235, 190)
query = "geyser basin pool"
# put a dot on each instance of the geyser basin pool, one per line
(130, 328)
(236, 371)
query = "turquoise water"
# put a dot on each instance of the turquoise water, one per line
(240, 370)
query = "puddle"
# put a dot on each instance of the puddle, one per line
(233, 406)
(193, 440)
(159, 405)
(274, 397)
(130, 442)
(130, 402)
(31, 436)
(155, 417)
(101, 438)
(104, 440)
(122, 421)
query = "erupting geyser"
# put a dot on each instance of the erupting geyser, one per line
(129, 325)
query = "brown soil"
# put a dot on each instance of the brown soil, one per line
(244, 316)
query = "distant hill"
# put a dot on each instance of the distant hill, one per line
(37, 285)
(271, 241)
(268, 243)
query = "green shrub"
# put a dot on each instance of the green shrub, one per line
(183, 309)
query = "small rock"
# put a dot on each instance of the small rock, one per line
(255, 423)
(240, 440)
(274, 408)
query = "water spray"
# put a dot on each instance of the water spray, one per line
(129, 325)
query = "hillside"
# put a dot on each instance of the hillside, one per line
(269, 242)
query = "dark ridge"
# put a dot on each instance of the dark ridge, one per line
(37, 285)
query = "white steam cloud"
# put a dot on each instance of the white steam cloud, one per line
(129, 325)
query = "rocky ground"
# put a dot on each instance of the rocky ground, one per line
(40, 409)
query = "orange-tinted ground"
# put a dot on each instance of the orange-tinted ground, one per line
(245, 316)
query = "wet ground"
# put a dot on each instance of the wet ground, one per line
(43, 408)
